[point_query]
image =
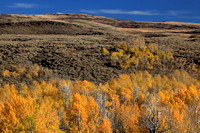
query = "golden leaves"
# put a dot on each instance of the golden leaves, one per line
(122, 104)
(25, 114)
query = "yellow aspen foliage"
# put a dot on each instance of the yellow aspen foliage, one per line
(46, 118)
(133, 120)
(6, 73)
(49, 91)
(16, 114)
(179, 124)
(6, 92)
(43, 84)
(114, 56)
(21, 114)
(126, 95)
(166, 83)
(15, 74)
(148, 80)
(93, 114)
(181, 94)
(113, 100)
(126, 81)
(137, 102)
(1, 107)
(36, 90)
(153, 48)
(128, 115)
(164, 97)
(85, 87)
(106, 126)
(24, 90)
(141, 98)
(157, 83)
(83, 114)
(104, 51)
(191, 95)
(20, 70)
(77, 114)
(142, 56)
(33, 71)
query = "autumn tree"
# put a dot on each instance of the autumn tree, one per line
(155, 118)
(19, 114)
(106, 126)
(83, 114)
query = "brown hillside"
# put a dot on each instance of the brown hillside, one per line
(70, 45)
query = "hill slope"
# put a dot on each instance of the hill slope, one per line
(70, 45)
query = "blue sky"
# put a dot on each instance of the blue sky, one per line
(137, 10)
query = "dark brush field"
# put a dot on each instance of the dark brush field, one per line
(70, 46)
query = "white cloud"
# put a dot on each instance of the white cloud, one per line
(197, 17)
(23, 5)
(176, 13)
(192, 17)
(118, 11)
(144, 13)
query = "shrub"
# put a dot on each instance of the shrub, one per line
(6, 73)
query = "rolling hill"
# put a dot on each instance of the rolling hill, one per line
(70, 46)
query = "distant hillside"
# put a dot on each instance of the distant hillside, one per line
(61, 23)
(46, 27)
(121, 23)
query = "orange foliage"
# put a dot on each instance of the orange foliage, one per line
(106, 126)
(121, 105)
(6, 73)
(19, 114)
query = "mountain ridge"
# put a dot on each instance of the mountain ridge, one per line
(100, 19)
